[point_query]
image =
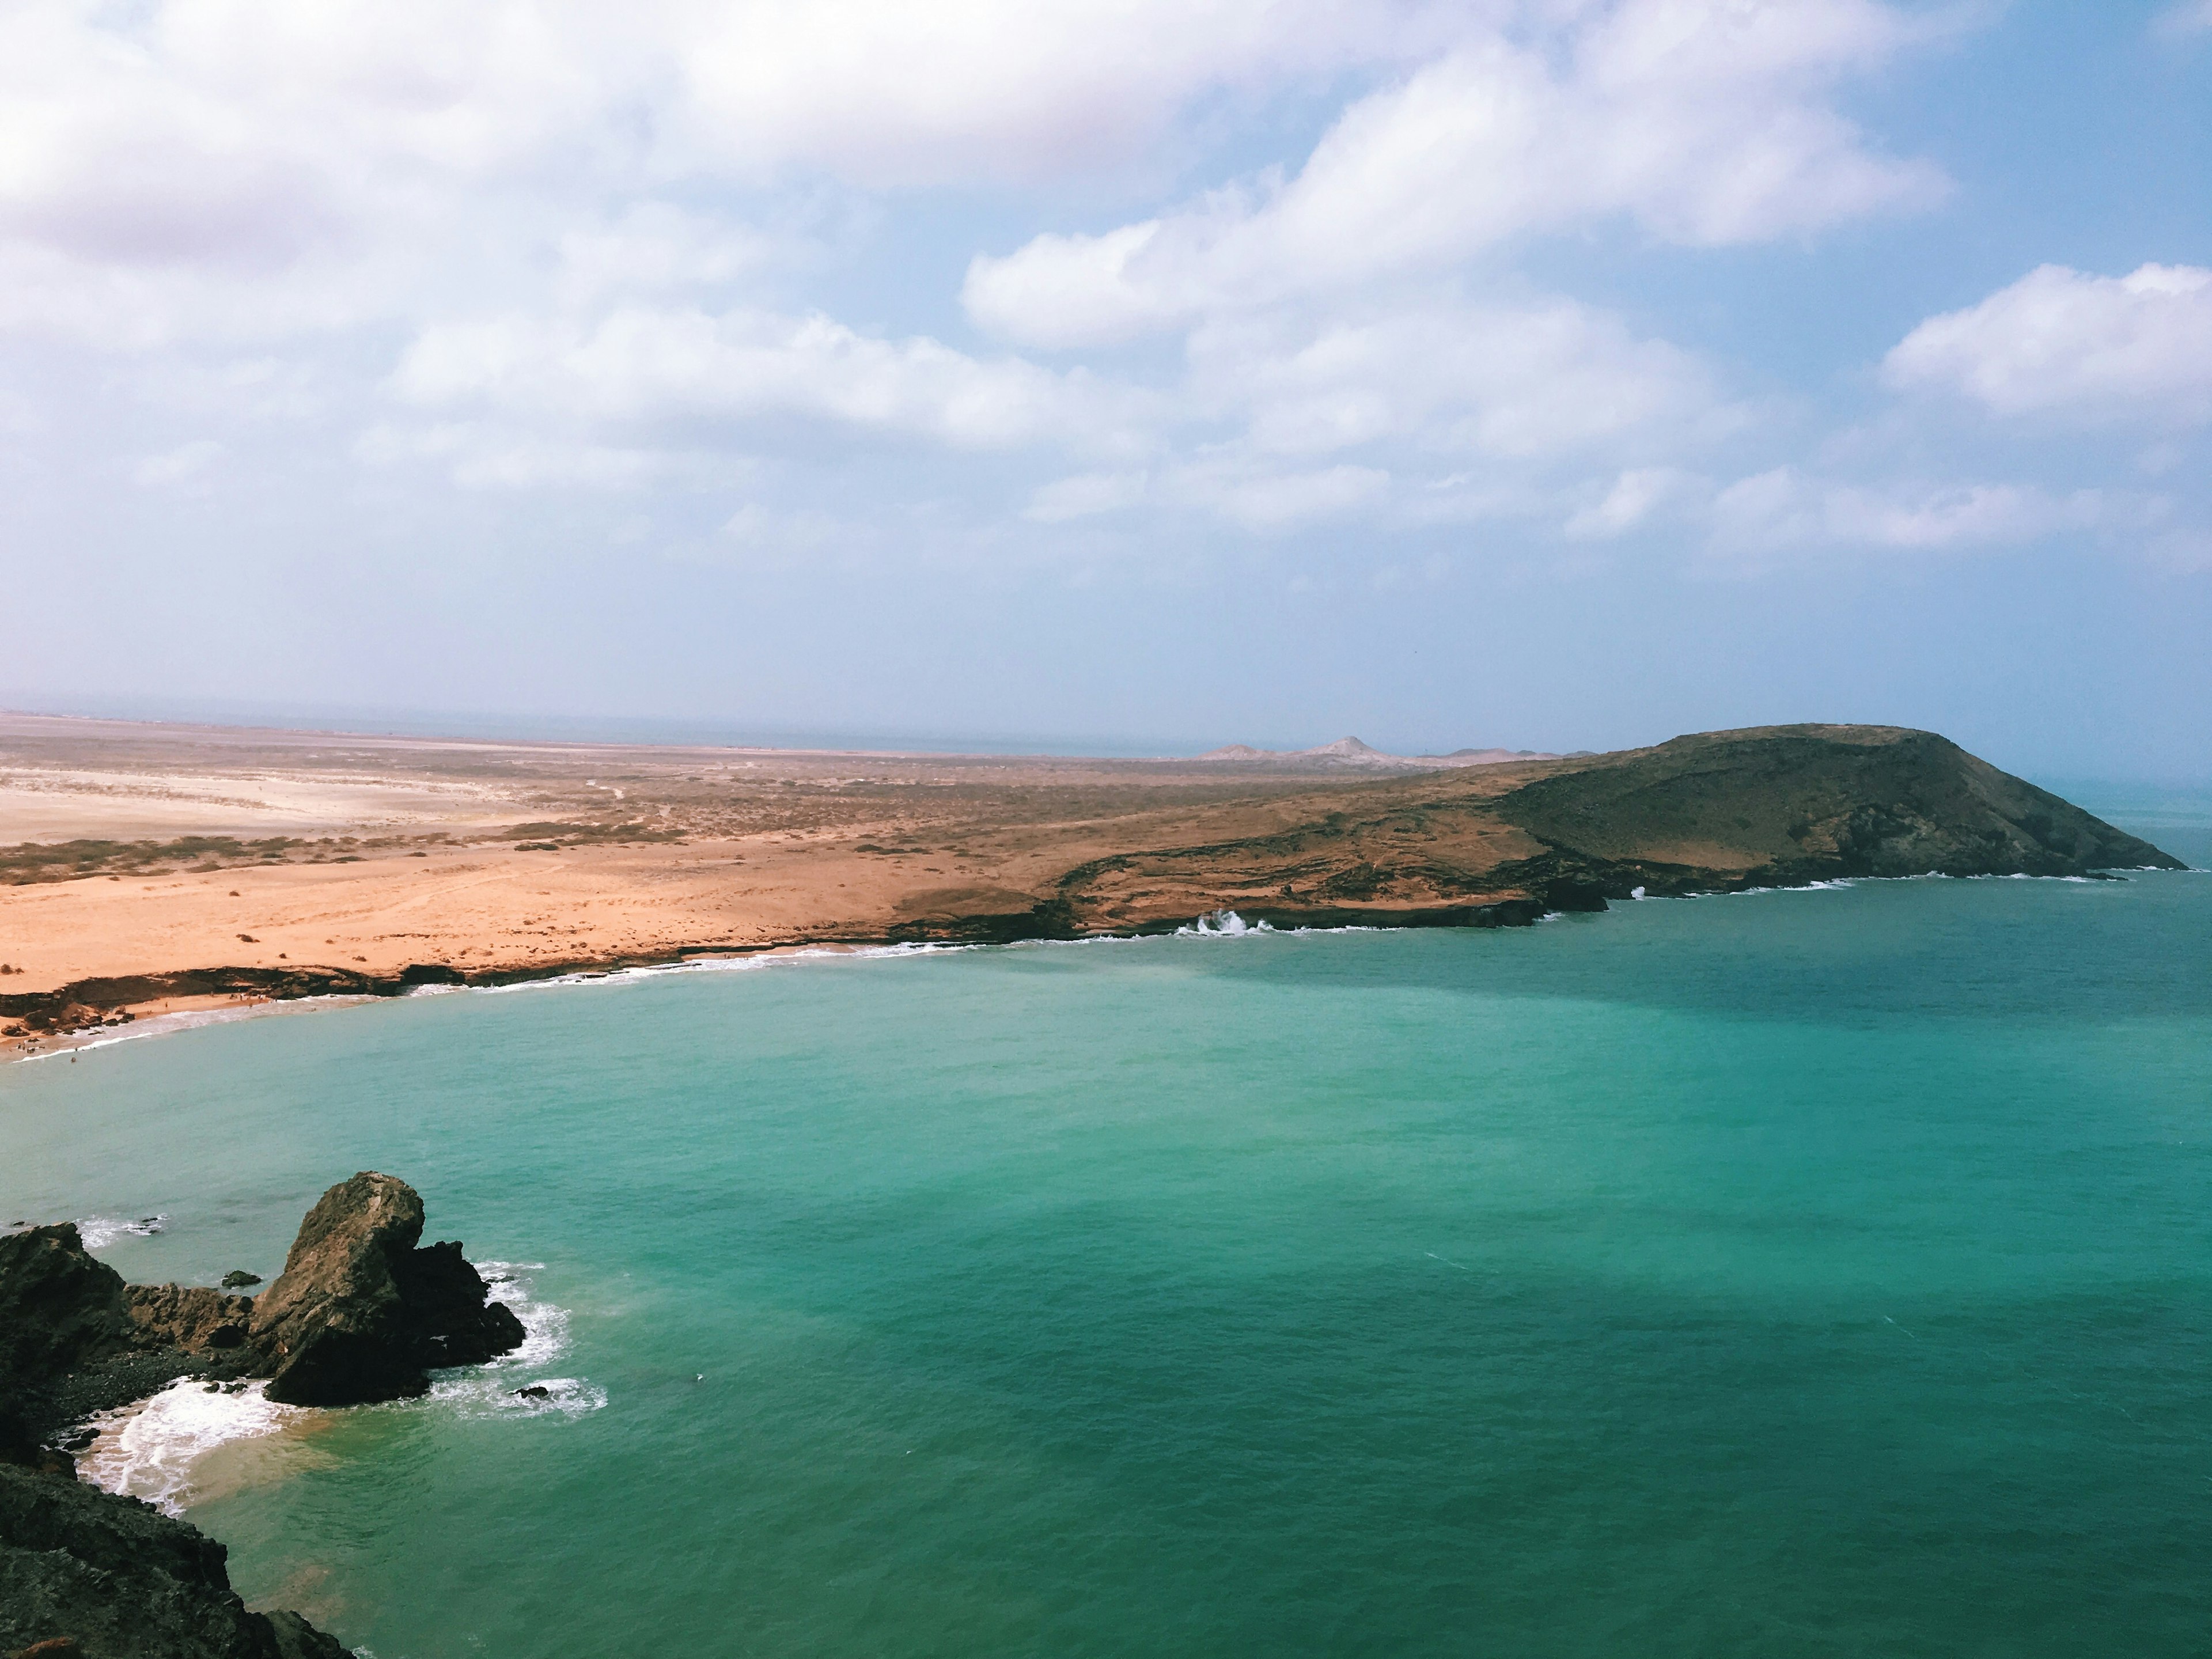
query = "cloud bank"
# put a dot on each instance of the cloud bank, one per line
(1264, 266)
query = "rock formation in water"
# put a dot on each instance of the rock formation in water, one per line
(360, 1313)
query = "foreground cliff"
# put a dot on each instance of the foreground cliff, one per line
(114, 1578)
(361, 1312)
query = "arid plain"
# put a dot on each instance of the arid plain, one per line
(149, 869)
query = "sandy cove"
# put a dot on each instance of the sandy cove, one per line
(208, 869)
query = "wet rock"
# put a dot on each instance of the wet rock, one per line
(238, 1279)
(360, 1313)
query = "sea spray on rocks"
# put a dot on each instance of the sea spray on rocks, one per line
(151, 1449)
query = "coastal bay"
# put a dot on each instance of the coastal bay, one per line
(329, 863)
(1819, 1270)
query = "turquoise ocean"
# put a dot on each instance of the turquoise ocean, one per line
(1792, 1273)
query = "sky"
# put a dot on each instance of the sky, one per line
(1551, 374)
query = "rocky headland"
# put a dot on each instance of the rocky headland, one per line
(362, 1311)
(1503, 845)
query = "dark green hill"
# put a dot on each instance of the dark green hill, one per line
(1787, 804)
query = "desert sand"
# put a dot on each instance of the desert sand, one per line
(278, 850)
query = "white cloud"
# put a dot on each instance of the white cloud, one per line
(177, 168)
(502, 455)
(641, 367)
(895, 94)
(656, 247)
(1521, 382)
(1634, 500)
(2193, 17)
(593, 242)
(1703, 122)
(1785, 510)
(178, 466)
(2064, 344)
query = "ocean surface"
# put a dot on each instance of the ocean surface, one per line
(1794, 1274)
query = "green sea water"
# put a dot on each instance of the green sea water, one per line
(1799, 1273)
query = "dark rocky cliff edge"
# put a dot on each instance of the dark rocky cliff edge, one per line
(360, 1313)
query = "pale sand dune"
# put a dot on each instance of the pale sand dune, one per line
(52, 805)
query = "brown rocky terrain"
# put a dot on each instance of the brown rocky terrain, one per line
(179, 868)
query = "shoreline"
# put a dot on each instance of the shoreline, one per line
(155, 1017)
(447, 864)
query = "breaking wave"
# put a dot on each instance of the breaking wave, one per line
(99, 1231)
(513, 1384)
(703, 965)
(1222, 924)
(157, 1449)
(153, 1449)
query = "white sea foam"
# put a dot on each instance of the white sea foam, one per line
(1222, 924)
(158, 1448)
(733, 964)
(99, 1231)
(153, 1448)
(1839, 885)
(493, 1390)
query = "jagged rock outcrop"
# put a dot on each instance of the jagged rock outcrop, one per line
(121, 1580)
(360, 1313)
(60, 1307)
(75, 1338)
(191, 1318)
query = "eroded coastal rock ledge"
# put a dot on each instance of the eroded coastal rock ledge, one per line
(362, 1311)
